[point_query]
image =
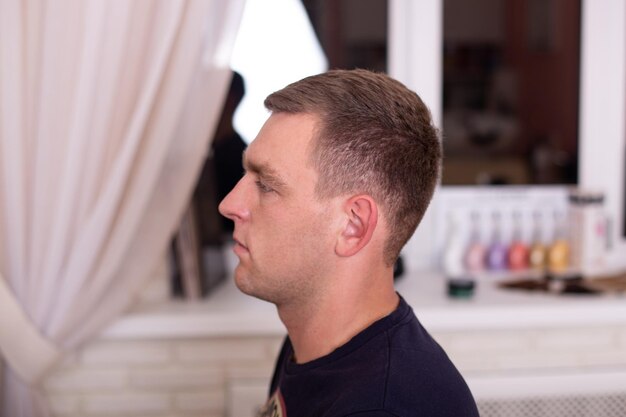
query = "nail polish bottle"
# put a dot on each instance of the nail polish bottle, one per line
(476, 251)
(538, 251)
(517, 255)
(453, 251)
(497, 251)
(559, 250)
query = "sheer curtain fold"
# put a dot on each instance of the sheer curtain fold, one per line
(94, 230)
(11, 102)
(106, 110)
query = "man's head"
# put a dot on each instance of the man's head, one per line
(375, 137)
(336, 180)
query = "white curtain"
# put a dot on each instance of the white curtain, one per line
(106, 110)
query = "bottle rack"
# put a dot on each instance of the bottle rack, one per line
(497, 233)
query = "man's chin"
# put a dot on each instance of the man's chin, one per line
(240, 279)
(244, 283)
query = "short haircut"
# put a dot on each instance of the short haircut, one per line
(375, 137)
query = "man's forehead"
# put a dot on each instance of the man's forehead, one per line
(283, 135)
(282, 146)
(267, 163)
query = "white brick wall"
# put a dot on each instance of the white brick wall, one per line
(219, 351)
(505, 351)
(157, 378)
(128, 353)
(126, 403)
(85, 379)
(194, 377)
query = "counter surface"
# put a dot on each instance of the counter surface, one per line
(227, 312)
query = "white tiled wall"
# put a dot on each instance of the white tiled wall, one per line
(546, 349)
(197, 377)
(157, 378)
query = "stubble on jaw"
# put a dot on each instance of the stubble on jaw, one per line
(291, 281)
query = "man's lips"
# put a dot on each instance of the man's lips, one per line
(240, 247)
(239, 242)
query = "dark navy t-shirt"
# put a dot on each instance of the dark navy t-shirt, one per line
(392, 368)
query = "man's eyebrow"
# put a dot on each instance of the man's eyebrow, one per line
(264, 171)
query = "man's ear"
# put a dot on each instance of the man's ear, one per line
(361, 214)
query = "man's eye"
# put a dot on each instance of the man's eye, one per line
(262, 187)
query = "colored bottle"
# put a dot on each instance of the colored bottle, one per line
(476, 251)
(453, 251)
(588, 226)
(537, 256)
(559, 250)
(497, 251)
(517, 255)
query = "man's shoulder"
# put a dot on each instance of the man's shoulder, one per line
(401, 370)
(421, 375)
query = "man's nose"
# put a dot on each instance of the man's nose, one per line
(233, 205)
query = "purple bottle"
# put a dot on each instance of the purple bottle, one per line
(497, 250)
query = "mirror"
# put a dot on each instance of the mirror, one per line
(510, 91)
(510, 82)
(353, 33)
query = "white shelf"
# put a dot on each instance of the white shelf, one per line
(227, 312)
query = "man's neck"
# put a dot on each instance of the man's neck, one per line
(322, 325)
